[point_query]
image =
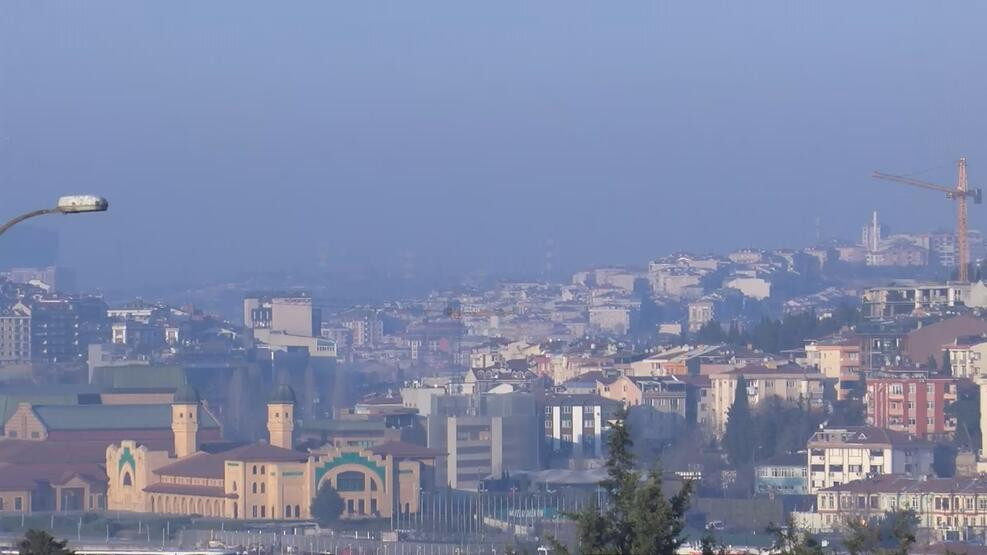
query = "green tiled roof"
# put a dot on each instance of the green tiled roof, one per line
(112, 417)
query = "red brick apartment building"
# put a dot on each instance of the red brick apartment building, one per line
(912, 404)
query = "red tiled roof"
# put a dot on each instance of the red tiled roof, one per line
(211, 465)
(14, 477)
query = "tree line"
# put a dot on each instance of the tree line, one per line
(773, 336)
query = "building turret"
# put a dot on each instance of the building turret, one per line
(281, 416)
(185, 420)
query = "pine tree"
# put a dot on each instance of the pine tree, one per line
(637, 518)
(947, 365)
(39, 542)
(738, 438)
(327, 505)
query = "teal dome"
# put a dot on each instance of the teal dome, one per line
(186, 395)
(282, 394)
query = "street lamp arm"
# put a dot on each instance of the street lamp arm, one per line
(23, 217)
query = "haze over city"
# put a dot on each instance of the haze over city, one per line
(545, 277)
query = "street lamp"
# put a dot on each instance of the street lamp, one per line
(73, 204)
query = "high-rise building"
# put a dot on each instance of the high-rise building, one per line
(291, 314)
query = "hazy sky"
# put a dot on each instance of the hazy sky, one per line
(232, 136)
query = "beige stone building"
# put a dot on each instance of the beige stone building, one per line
(791, 383)
(264, 481)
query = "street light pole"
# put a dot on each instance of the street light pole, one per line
(75, 204)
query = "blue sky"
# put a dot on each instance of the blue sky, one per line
(234, 136)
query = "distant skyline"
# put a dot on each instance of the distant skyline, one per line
(234, 137)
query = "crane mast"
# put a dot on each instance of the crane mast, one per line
(961, 234)
(959, 193)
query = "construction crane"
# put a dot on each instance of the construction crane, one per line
(959, 193)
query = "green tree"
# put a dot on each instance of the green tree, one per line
(327, 506)
(708, 546)
(789, 540)
(738, 438)
(711, 333)
(890, 534)
(947, 365)
(637, 517)
(39, 542)
(966, 411)
(931, 363)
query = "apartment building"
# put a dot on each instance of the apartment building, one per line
(839, 456)
(906, 299)
(912, 404)
(967, 356)
(483, 436)
(951, 509)
(15, 336)
(791, 383)
(837, 359)
(575, 424)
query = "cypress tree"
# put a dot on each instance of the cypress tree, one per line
(738, 438)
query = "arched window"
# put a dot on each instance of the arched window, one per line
(298, 512)
(350, 481)
(255, 469)
(217, 510)
(184, 506)
(236, 511)
(234, 486)
(254, 487)
(263, 511)
(127, 480)
(263, 489)
(287, 511)
(262, 469)
(373, 485)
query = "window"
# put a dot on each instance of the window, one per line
(263, 511)
(298, 513)
(350, 481)
(255, 469)
(911, 388)
(127, 480)
(263, 489)
(254, 487)
(262, 469)
(254, 511)
(18, 504)
(287, 511)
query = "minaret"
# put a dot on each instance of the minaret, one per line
(281, 416)
(185, 420)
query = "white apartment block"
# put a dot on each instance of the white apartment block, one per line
(840, 456)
